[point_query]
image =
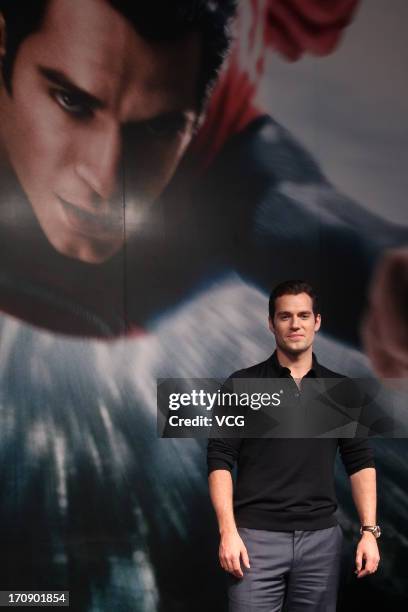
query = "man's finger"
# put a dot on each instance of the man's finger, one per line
(236, 570)
(222, 563)
(229, 565)
(371, 564)
(245, 558)
(366, 571)
(359, 561)
(233, 566)
(363, 573)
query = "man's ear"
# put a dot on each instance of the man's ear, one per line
(271, 327)
(318, 321)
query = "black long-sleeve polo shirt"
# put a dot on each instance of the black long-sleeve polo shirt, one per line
(286, 484)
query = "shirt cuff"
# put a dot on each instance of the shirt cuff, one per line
(356, 468)
(218, 464)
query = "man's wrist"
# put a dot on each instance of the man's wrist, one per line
(368, 534)
(373, 529)
(229, 530)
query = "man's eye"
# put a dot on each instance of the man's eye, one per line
(165, 127)
(70, 103)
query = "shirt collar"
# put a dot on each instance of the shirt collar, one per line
(281, 371)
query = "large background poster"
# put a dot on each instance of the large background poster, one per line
(140, 233)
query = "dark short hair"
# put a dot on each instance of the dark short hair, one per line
(292, 287)
(158, 20)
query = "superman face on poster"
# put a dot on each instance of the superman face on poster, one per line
(124, 163)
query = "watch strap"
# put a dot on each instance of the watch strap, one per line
(374, 529)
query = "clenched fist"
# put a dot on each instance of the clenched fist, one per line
(385, 327)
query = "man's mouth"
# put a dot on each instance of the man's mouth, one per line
(98, 225)
(295, 336)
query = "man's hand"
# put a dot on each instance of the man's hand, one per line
(232, 550)
(367, 550)
(385, 328)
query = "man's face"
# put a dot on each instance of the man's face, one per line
(98, 119)
(294, 324)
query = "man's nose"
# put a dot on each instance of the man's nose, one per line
(295, 323)
(99, 162)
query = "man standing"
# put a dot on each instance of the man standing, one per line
(280, 522)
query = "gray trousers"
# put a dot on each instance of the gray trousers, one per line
(297, 568)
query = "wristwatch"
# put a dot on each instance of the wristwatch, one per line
(375, 530)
